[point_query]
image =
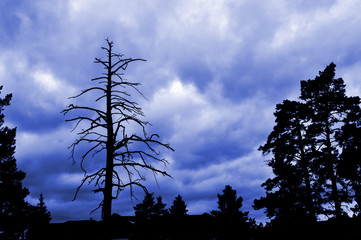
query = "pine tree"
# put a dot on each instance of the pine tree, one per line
(39, 219)
(291, 194)
(229, 204)
(145, 209)
(13, 208)
(43, 212)
(148, 222)
(326, 97)
(159, 207)
(231, 222)
(179, 207)
(315, 146)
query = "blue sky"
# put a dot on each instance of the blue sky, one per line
(215, 71)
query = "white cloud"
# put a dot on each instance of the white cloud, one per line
(33, 85)
(202, 206)
(248, 171)
(197, 118)
(199, 30)
(49, 90)
(323, 25)
(44, 143)
(46, 81)
(73, 179)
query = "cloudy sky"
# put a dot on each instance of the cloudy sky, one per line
(215, 71)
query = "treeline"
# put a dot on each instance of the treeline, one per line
(154, 221)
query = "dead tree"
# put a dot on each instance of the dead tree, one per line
(106, 129)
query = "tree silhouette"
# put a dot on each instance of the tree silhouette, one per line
(39, 219)
(148, 222)
(110, 126)
(326, 96)
(179, 207)
(159, 207)
(43, 214)
(229, 204)
(314, 146)
(146, 208)
(149, 208)
(291, 194)
(13, 208)
(231, 222)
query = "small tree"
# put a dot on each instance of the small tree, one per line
(13, 208)
(148, 225)
(39, 219)
(44, 216)
(159, 207)
(179, 207)
(229, 204)
(107, 128)
(149, 208)
(146, 208)
(231, 221)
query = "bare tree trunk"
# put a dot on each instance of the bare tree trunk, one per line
(107, 207)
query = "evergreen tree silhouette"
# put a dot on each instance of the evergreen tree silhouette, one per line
(331, 108)
(148, 221)
(291, 196)
(231, 222)
(176, 220)
(159, 207)
(43, 214)
(179, 207)
(13, 208)
(39, 221)
(315, 146)
(145, 209)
